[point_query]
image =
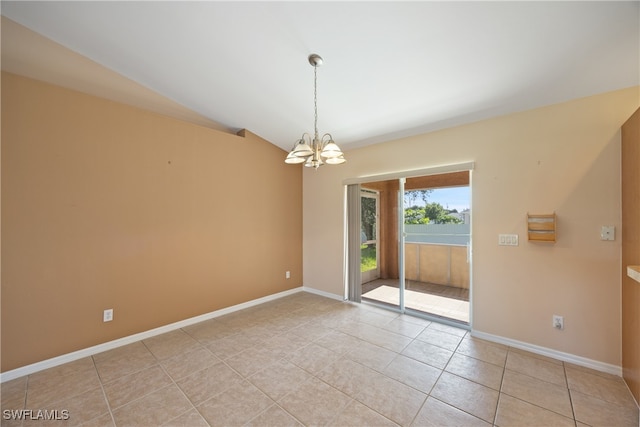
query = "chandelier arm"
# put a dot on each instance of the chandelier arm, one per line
(324, 136)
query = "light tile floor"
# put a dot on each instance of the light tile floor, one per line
(424, 302)
(309, 360)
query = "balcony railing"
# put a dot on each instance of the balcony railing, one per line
(441, 264)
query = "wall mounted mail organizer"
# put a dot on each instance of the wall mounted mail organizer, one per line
(541, 228)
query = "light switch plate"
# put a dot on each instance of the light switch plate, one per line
(608, 232)
(507, 240)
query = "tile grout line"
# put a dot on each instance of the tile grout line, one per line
(173, 382)
(504, 371)
(275, 402)
(26, 393)
(104, 393)
(549, 383)
(566, 379)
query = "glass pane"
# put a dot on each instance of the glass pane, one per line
(369, 245)
(436, 247)
(368, 258)
(368, 218)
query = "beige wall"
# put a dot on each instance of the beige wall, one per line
(108, 206)
(563, 158)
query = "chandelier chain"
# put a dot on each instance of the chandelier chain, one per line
(315, 100)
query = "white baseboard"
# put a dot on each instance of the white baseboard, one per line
(323, 293)
(90, 351)
(555, 354)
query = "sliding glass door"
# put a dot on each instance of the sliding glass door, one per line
(437, 245)
(414, 251)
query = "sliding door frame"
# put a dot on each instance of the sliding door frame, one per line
(401, 177)
(401, 236)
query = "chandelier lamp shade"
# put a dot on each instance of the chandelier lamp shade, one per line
(315, 151)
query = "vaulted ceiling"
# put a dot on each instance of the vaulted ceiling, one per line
(391, 69)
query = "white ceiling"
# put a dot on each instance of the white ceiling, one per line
(391, 69)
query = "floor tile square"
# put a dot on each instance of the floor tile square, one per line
(430, 354)
(467, 396)
(126, 389)
(440, 338)
(372, 356)
(171, 343)
(153, 409)
(237, 405)
(231, 345)
(191, 418)
(313, 358)
(376, 335)
(357, 414)
(449, 329)
(43, 392)
(613, 390)
(347, 376)
(273, 416)
(209, 330)
(279, 379)
(209, 382)
(597, 412)
(393, 399)
(402, 326)
(83, 408)
(483, 350)
(339, 342)
(252, 360)
(314, 402)
(541, 393)
(536, 367)
(14, 393)
(476, 370)
(512, 411)
(184, 364)
(123, 361)
(413, 373)
(437, 413)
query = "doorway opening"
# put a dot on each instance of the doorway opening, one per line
(423, 246)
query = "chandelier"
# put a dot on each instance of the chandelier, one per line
(317, 151)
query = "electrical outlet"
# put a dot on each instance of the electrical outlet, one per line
(558, 322)
(107, 315)
(287, 275)
(608, 232)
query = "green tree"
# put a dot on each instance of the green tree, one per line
(415, 215)
(368, 217)
(439, 214)
(435, 211)
(411, 196)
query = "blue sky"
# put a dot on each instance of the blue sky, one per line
(452, 198)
